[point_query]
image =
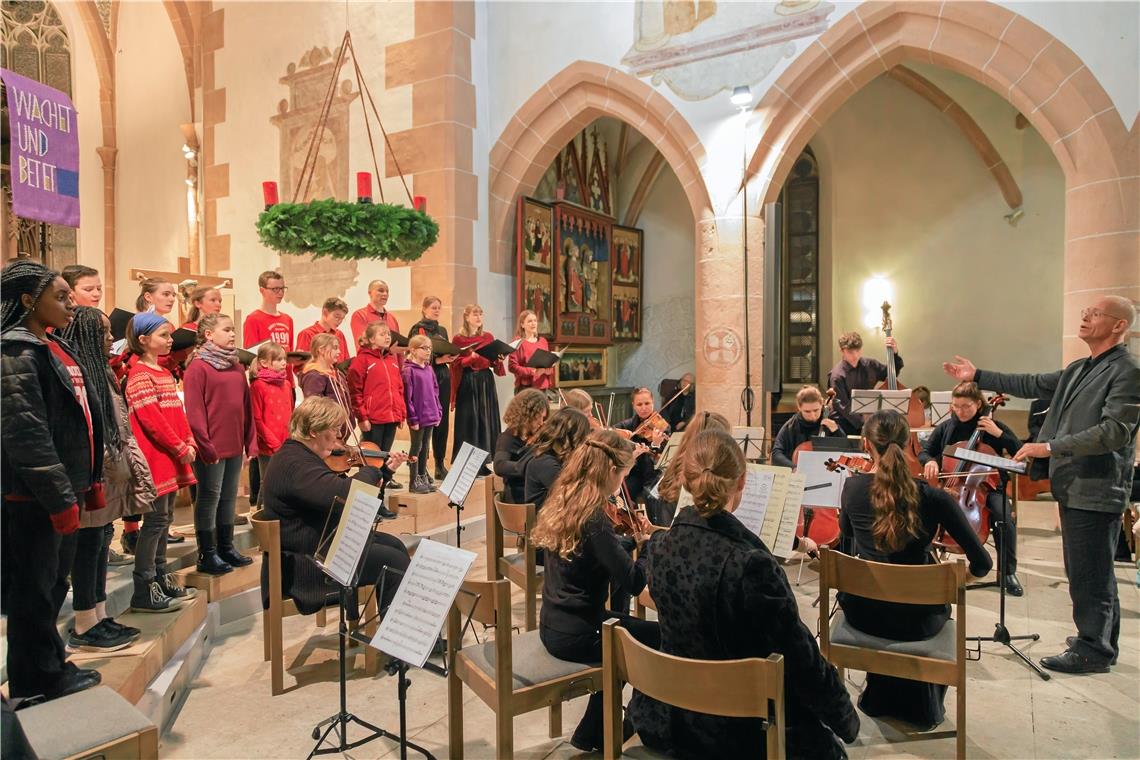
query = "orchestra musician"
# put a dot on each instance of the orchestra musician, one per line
(969, 414)
(644, 474)
(892, 517)
(682, 410)
(1088, 439)
(523, 419)
(807, 423)
(856, 372)
(721, 594)
(669, 487)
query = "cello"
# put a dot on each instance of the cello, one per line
(820, 525)
(971, 483)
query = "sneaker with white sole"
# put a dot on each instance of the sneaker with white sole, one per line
(175, 590)
(153, 599)
(98, 638)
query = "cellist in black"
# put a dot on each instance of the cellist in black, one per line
(970, 413)
(807, 423)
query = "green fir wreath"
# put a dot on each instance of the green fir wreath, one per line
(346, 230)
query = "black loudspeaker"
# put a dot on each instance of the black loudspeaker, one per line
(773, 363)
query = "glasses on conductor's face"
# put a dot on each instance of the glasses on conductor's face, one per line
(1096, 313)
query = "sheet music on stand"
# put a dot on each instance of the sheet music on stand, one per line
(341, 560)
(871, 401)
(751, 441)
(940, 405)
(988, 460)
(419, 609)
(464, 469)
(822, 487)
(769, 507)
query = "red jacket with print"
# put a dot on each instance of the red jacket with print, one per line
(376, 387)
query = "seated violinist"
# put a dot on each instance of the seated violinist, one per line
(856, 372)
(651, 429)
(971, 413)
(299, 489)
(721, 595)
(807, 423)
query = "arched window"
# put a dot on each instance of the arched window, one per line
(35, 45)
(800, 323)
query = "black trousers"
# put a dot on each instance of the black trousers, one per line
(382, 434)
(587, 648)
(439, 434)
(89, 568)
(1004, 528)
(1088, 540)
(39, 560)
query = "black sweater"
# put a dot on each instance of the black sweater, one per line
(541, 472)
(644, 472)
(794, 432)
(844, 378)
(575, 590)
(952, 430)
(511, 456)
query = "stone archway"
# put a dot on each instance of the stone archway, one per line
(1023, 63)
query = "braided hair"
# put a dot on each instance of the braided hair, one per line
(85, 336)
(19, 278)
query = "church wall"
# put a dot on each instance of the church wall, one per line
(151, 103)
(905, 196)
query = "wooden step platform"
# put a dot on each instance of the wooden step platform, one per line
(217, 587)
(430, 510)
(129, 670)
(100, 724)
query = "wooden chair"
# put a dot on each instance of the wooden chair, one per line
(492, 489)
(268, 534)
(513, 675)
(750, 688)
(939, 660)
(519, 568)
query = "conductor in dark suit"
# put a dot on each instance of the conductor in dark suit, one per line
(1089, 439)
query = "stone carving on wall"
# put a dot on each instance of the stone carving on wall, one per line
(312, 281)
(722, 347)
(700, 47)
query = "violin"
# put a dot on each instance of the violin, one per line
(626, 521)
(848, 463)
(345, 457)
(971, 483)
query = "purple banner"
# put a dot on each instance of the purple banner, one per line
(45, 151)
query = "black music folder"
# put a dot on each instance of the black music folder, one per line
(493, 350)
(183, 339)
(119, 319)
(543, 359)
(441, 347)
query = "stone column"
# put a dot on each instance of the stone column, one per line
(107, 156)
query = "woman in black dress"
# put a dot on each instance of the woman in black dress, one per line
(583, 559)
(556, 440)
(299, 490)
(475, 401)
(524, 417)
(722, 595)
(429, 325)
(892, 517)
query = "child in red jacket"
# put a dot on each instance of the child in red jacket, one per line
(271, 396)
(376, 388)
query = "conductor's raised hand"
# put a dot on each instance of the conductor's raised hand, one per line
(961, 369)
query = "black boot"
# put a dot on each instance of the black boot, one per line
(208, 560)
(226, 548)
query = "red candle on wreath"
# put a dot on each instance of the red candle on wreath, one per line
(269, 193)
(420, 203)
(363, 187)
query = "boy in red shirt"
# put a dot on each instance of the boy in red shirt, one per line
(332, 314)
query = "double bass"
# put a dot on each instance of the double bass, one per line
(915, 410)
(972, 483)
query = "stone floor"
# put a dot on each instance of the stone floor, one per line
(1012, 713)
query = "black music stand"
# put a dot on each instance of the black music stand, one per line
(1001, 634)
(462, 462)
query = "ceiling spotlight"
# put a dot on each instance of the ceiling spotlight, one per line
(741, 96)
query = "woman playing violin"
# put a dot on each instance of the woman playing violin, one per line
(649, 427)
(970, 413)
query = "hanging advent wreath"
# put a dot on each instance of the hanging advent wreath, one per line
(343, 229)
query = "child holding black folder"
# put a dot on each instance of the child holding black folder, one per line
(474, 399)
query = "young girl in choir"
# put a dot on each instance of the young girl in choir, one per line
(203, 301)
(127, 487)
(524, 416)
(525, 375)
(218, 407)
(721, 595)
(556, 440)
(157, 295)
(376, 387)
(892, 517)
(271, 401)
(475, 400)
(163, 432)
(421, 397)
(583, 560)
(50, 460)
(321, 377)
(430, 327)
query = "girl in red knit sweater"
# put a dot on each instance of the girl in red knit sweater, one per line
(220, 414)
(271, 396)
(376, 388)
(163, 433)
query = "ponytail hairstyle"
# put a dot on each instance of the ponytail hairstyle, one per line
(564, 431)
(670, 487)
(147, 287)
(580, 491)
(894, 493)
(713, 466)
(86, 335)
(196, 297)
(576, 398)
(808, 394)
(209, 323)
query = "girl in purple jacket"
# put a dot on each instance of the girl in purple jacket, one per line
(421, 395)
(221, 418)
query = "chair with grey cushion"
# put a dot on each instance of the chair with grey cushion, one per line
(92, 723)
(520, 568)
(940, 659)
(513, 675)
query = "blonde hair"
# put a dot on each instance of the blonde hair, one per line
(418, 341)
(527, 409)
(576, 398)
(320, 342)
(209, 323)
(196, 297)
(580, 491)
(670, 487)
(468, 310)
(370, 332)
(713, 466)
(315, 415)
(267, 353)
(523, 315)
(149, 286)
